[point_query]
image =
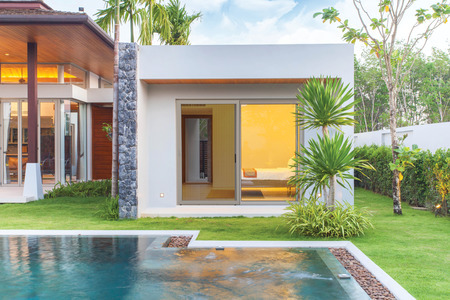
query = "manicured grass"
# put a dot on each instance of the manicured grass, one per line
(413, 248)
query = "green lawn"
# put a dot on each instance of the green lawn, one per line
(413, 248)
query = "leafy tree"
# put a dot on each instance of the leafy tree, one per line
(324, 104)
(380, 34)
(371, 97)
(435, 89)
(180, 22)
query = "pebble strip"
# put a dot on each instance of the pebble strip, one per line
(366, 280)
(179, 241)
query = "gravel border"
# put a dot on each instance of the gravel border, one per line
(366, 280)
(179, 241)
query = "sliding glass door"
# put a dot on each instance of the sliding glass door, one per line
(240, 153)
(10, 163)
(268, 144)
(208, 153)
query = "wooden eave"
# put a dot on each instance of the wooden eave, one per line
(61, 38)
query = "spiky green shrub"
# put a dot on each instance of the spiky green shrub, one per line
(81, 189)
(109, 209)
(311, 217)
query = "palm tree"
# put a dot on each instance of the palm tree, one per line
(129, 11)
(324, 103)
(155, 19)
(181, 24)
(148, 14)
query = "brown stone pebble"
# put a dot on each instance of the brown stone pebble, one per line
(179, 241)
(366, 280)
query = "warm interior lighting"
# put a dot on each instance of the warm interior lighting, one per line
(6, 54)
(15, 74)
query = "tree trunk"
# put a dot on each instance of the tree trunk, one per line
(394, 141)
(331, 198)
(115, 133)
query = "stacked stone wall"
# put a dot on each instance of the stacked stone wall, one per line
(128, 130)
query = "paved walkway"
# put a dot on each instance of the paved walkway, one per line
(14, 194)
(184, 211)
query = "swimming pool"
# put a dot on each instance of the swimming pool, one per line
(136, 267)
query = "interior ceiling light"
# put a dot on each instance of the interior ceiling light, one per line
(7, 54)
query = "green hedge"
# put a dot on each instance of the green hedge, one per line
(419, 184)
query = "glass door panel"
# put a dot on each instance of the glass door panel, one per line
(268, 144)
(24, 138)
(10, 148)
(208, 153)
(47, 140)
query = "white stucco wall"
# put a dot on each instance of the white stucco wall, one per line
(428, 137)
(157, 118)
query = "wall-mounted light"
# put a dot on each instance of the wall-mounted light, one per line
(161, 195)
(6, 54)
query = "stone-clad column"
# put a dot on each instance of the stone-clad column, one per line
(127, 130)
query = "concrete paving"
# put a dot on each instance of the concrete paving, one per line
(199, 211)
(14, 194)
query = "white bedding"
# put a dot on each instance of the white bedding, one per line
(270, 174)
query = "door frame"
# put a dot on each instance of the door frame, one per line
(179, 156)
(299, 139)
(183, 145)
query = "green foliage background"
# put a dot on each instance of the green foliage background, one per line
(419, 183)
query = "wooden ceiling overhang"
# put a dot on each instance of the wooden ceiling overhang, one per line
(228, 81)
(64, 38)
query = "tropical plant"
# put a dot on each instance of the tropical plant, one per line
(312, 218)
(180, 24)
(115, 123)
(80, 189)
(107, 128)
(380, 34)
(109, 209)
(325, 103)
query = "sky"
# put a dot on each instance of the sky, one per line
(227, 22)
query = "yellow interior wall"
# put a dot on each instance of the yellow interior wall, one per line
(223, 146)
(267, 135)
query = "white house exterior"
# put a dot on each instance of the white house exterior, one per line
(218, 103)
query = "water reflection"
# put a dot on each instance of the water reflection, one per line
(130, 268)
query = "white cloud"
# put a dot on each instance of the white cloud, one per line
(266, 6)
(204, 6)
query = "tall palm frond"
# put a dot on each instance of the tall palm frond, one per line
(181, 24)
(153, 16)
(323, 104)
(128, 12)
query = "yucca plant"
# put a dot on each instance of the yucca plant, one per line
(324, 103)
(326, 161)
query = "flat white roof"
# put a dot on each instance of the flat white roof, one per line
(245, 62)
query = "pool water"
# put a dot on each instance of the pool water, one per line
(72, 267)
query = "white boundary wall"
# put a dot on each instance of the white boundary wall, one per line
(427, 137)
